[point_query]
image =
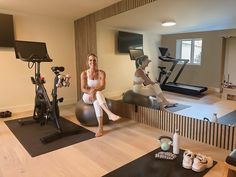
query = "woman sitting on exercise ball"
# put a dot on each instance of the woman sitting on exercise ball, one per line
(145, 86)
(92, 83)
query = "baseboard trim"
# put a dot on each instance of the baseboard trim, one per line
(214, 89)
(30, 107)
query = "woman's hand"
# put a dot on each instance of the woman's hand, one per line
(92, 91)
(92, 94)
(92, 97)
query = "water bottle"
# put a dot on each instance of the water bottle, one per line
(176, 142)
(214, 117)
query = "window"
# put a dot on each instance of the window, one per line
(189, 49)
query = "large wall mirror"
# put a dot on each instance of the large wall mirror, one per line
(213, 22)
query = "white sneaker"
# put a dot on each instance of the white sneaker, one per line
(201, 162)
(209, 162)
(188, 157)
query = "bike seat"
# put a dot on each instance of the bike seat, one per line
(57, 68)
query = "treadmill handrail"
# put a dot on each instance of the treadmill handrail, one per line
(175, 61)
(170, 59)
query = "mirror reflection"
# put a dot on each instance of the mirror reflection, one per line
(202, 35)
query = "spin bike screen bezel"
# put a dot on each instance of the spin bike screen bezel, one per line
(135, 53)
(32, 51)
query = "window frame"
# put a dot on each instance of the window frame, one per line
(179, 44)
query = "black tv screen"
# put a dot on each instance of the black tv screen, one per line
(31, 50)
(127, 40)
(6, 31)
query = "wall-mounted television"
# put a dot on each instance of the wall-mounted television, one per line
(6, 31)
(127, 40)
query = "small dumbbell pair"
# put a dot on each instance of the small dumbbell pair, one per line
(63, 81)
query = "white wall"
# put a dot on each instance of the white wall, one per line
(230, 60)
(151, 42)
(16, 89)
(211, 59)
(118, 66)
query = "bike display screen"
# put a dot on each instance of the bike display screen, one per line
(31, 51)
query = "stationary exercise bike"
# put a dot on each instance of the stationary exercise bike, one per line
(44, 109)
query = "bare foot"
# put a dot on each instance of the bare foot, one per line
(163, 108)
(99, 133)
(114, 117)
(169, 104)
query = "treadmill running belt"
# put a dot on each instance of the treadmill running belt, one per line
(183, 88)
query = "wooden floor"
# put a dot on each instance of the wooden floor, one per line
(203, 106)
(123, 142)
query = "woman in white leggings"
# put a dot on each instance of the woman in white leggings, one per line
(143, 85)
(92, 83)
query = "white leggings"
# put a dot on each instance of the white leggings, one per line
(148, 90)
(100, 99)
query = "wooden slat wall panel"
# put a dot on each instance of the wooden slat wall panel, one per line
(120, 7)
(219, 135)
(85, 35)
(85, 32)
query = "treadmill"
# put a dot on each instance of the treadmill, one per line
(174, 86)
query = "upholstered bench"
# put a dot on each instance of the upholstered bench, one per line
(140, 100)
(231, 164)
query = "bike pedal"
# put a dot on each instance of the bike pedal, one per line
(33, 80)
(42, 123)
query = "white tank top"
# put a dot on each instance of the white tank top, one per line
(138, 80)
(90, 82)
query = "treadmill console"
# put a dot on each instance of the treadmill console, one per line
(165, 56)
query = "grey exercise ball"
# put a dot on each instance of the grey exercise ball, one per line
(134, 98)
(85, 114)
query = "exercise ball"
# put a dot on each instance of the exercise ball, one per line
(85, 114)
(134, 98)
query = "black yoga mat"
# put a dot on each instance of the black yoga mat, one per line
(228, 119)
(178, 107)
(29, 135)
(148, 166)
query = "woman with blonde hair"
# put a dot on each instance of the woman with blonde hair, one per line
(92, 83)
(143, 85)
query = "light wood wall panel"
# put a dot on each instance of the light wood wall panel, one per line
(85, 35)
(85, 32)
(120, 7)
(218, 135)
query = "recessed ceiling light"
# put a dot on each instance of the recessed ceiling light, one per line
(168, 23)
